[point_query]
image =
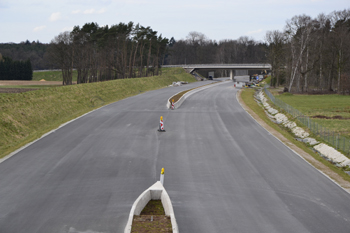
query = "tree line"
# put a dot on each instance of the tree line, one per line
(198, 49)
(312, 54)
(309, 55)
(106, 53)
(35, 51)
(15, 70)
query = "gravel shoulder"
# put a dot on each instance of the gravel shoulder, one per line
(318, 165)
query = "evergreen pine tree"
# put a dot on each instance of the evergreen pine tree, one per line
(2, 69)
(8, 68)
(28, 70)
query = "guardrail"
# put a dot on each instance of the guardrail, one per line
(330, 136)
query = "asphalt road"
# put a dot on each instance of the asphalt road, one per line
(223, 172)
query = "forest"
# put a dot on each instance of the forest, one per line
(308, 55)
(198, 49)
(15, 70)
(312, 54)
(35, 51)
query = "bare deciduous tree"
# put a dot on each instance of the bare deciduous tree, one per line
(276, 43)
(61, 52)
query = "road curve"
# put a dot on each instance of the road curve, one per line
(223, 172)
(228, 174)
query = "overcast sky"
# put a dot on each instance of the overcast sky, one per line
(217, 19)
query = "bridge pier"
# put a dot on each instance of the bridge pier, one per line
(237, 73)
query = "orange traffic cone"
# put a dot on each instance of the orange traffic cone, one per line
(161, 125)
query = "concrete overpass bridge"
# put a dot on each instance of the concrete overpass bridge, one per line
(233, 68)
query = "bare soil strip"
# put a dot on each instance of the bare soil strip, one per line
(23, 83)
(333, 117)
(16, 90)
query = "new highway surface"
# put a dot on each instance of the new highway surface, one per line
(223, 172)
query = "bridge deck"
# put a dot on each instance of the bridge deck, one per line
(224, 66)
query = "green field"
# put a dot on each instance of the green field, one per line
(330, 111)
(52, 75)
(27, 116)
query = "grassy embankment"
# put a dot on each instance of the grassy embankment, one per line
(248, 98)
(26, 116)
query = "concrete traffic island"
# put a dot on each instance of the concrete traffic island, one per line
(174, 105)
(155, 192)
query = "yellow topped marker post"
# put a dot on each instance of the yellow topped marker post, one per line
(162, 176)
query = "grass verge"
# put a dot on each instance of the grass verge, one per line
(26, 116)
(335, 173)
(179, 95)
(153, 207)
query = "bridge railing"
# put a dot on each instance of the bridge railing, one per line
(226, 66)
